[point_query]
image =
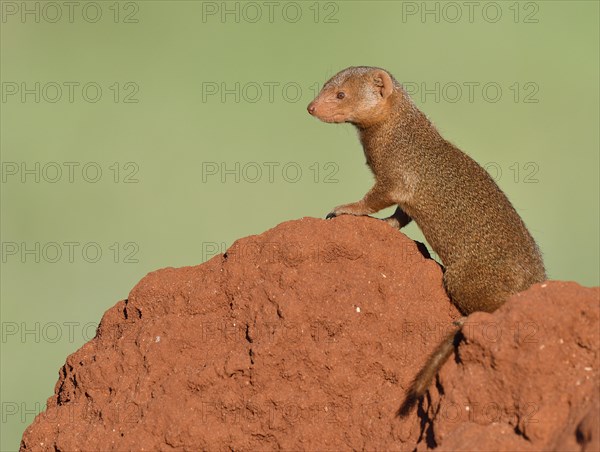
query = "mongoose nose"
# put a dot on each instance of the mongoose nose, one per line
(311, 108)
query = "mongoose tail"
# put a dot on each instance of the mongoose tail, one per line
(425, 376)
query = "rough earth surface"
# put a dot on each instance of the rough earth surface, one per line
(305, 338)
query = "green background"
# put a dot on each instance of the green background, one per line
(540, 138)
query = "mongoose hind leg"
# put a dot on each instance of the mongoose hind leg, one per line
(474, 287)
(398, 219)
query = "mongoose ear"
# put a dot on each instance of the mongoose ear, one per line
(384, 82)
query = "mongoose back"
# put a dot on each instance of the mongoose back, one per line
(487, 251)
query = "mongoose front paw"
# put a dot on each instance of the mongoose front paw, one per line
(331, 215)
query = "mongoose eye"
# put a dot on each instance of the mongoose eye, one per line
(341, 95)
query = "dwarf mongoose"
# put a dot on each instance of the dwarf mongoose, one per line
(484, 245)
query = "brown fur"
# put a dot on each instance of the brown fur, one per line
(484, 245)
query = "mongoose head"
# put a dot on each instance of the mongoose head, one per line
(359, 95)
